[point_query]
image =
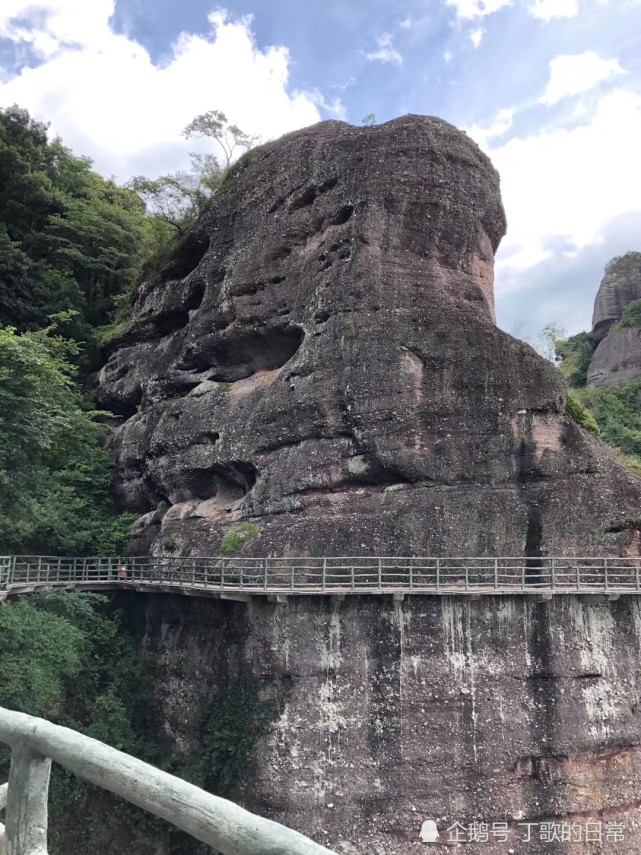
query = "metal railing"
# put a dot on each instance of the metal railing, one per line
(331, 574)
(221, 824)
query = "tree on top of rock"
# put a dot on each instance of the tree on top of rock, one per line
(214, 125)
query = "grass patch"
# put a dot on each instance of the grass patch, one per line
(234, 540)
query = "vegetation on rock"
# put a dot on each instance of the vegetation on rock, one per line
(629, 261)
(234, 540)
(631, 318)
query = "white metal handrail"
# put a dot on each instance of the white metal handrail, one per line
(221, 824)
(339, 574)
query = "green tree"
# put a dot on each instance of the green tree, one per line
(631, 318)
(574, 355)
(54, 473)
(215, 126)
(69, 239)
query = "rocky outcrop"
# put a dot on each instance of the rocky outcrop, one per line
(617, 359)
(620, 286)
(499, 711)
(320, 359)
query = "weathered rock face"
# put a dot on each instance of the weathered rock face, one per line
(617, 359)
(320, 359)
(499, 710)
(620, 286)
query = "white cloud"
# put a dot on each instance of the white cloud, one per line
(572, 74)
(447, 56)
(548, 9)
(107, 99)
(569, 183)
(476, 36)
(477, 8)
(499, 126)
(385, 51)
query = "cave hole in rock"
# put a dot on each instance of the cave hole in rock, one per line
(343, 215)
(223, 482)
(280, 253)
(175, 319)
(187, 256)
(305, 199)
(245, 352)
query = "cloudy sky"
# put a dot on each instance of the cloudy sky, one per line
(550, 88)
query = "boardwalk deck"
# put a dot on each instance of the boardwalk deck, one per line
(242, 578)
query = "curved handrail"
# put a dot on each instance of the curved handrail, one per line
(221, 824)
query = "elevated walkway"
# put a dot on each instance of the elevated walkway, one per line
(279, 578)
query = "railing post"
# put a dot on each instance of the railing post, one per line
(578, 577)
(240, 576)
(27, 796)
(380, 574)
(496, 574)
(293, 575)
(222, 573)
(438, 575)
(636, 573)
(467, 578)
(605, 573)
(353, 581)
(411, 575)
(523, 575)
(324, 581)
(553, 574)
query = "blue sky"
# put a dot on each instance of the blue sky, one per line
(551, 89)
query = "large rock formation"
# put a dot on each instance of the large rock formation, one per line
(620, 285)
(320, 359)
(617, 359)
(498, 710)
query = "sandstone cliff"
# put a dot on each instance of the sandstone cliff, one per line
(497, 710)
(617, 358)
(320, 359)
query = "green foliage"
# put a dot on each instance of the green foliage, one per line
(575, 354)
(69, 239)
(69, 658)
(369, 119)
(214, 125)
(234, 540)
(631, 318)
(628, 262)
(54, 473)
(580, 415)
(41, 653)
(231, 726)
(617, 411)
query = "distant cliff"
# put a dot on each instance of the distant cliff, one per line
(616, 324)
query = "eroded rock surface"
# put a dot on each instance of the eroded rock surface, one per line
(620, 286)
(617, 359)
(498, 710)
(320, 359)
